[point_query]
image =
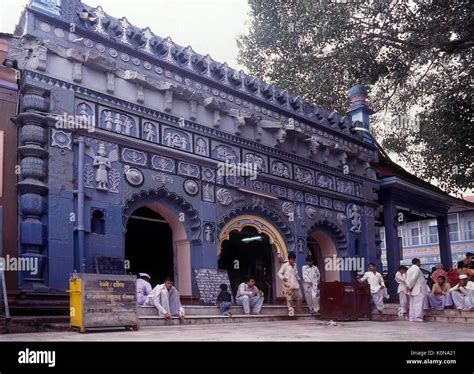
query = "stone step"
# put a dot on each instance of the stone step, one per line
(208, 319)
(208, 310)
(25, 324)
(447, 315)
(445, 312)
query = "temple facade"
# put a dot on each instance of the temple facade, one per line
(120, 129)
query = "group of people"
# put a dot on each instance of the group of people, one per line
(449, 289)
(165, 297)
(416, 296)
(251, 298)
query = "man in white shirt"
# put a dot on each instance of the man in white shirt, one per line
(377, 285)
(291, 287)
(249, 296)
(463, 293)
(143, 288)
(165, 297)
(311, 278)
(418, 291)
(400, 278)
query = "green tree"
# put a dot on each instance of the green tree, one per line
(415, 59)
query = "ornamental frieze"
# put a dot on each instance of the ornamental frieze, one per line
(133, 156)
(150, 132)
(118, 122)
(163, 163)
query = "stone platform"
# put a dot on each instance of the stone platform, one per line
(446, 315)
(198, 314)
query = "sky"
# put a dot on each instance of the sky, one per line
(208, 26)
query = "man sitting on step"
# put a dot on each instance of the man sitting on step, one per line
(249, 296)
(143, 288)
(165, 297)
(440, 297)
(463, 293)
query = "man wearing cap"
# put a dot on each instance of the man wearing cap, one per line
(463, 293)
(143, 288)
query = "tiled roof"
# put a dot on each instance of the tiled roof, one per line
(184, 58)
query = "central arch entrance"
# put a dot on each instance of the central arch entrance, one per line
(250, 245)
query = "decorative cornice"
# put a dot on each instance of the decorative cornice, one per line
(201, 129)
(165, 53)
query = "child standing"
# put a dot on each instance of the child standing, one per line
(224, 301)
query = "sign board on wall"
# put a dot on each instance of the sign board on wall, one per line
(208, 282)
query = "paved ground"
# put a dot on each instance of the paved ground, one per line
(272, 331)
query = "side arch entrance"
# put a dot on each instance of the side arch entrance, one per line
(325, 240)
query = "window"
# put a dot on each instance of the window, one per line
(433, 234)
(453, 232)
(382, 239)
(415, 236)
(98, 222)
(470, 232)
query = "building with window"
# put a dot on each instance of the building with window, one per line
(420, 238)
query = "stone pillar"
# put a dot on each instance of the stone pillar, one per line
(32, 189)
(391, 246)
(444, 242)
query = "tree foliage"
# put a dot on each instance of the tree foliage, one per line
(415, 59)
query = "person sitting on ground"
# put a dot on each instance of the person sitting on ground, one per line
(224, 301)
(463, 294)
(377, 285)
(467, 262)
(143, 288)
(249, 296)
(165, 297)
(439, 297)
(466, 266)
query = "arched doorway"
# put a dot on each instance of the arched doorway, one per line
(250, 245)
(321, 246)
(149, 245)
(248, 252)
(156, 243)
